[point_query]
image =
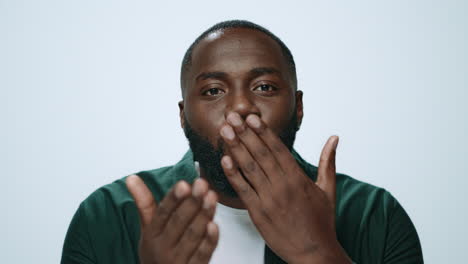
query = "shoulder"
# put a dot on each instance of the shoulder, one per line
(109, 215)
(350, 187)
(363, 199)
(116, 197)
(116, 193)
(352, 195)
(371, 218)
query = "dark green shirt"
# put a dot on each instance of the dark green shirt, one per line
(370, 223)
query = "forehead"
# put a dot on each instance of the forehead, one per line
(236, 50)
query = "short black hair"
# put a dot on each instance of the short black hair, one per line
(187, 60)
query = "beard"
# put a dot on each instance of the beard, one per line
(209, 157)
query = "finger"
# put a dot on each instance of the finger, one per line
(326, 178)
(168, 205)
(143, 197)
(185, 213)
(249, 167)
(207, 246)
(257, 148)
(281, 153)
(246, 193)
(196, 231)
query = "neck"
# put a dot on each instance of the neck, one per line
(234, 202)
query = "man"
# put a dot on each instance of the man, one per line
(240, 112)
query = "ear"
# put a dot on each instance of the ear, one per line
(182, 114)
(299, 108)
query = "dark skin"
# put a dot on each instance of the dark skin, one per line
(239, 89)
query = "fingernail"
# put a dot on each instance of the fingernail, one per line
(234, 119)
(211, 227)
(227, 132)
(207, 203)
(197, 188)
(227, 162)
(179, 191)
(335, 144)
(253, 121)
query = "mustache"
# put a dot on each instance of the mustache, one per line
(209, 159)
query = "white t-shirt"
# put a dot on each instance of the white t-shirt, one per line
(239, 240)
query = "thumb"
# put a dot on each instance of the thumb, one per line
(326, 178)
(143, 198)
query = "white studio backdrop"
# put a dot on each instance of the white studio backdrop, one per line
(89, 93)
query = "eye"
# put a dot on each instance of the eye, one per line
(265, 88)
(213, 92)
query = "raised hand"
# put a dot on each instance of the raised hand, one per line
(180, 229)
(295, 216)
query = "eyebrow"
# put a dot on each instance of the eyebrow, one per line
(255, 72)
(211, 75)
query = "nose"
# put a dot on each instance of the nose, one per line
(242, 103)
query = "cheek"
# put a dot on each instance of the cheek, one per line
(278, 118)
(206, 120)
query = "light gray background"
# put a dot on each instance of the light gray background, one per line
(89, 93)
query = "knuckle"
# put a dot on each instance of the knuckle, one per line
(277, 148)
(244, 190)
(163, 212)
(242, 130)
(250, 167)
(262, 152)
(324, 159)
(270, 166)
(176, 218)
(194, 233)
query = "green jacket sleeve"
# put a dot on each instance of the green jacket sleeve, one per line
(77, 246)
(402, 244)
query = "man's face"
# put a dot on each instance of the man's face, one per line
(236, 70)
